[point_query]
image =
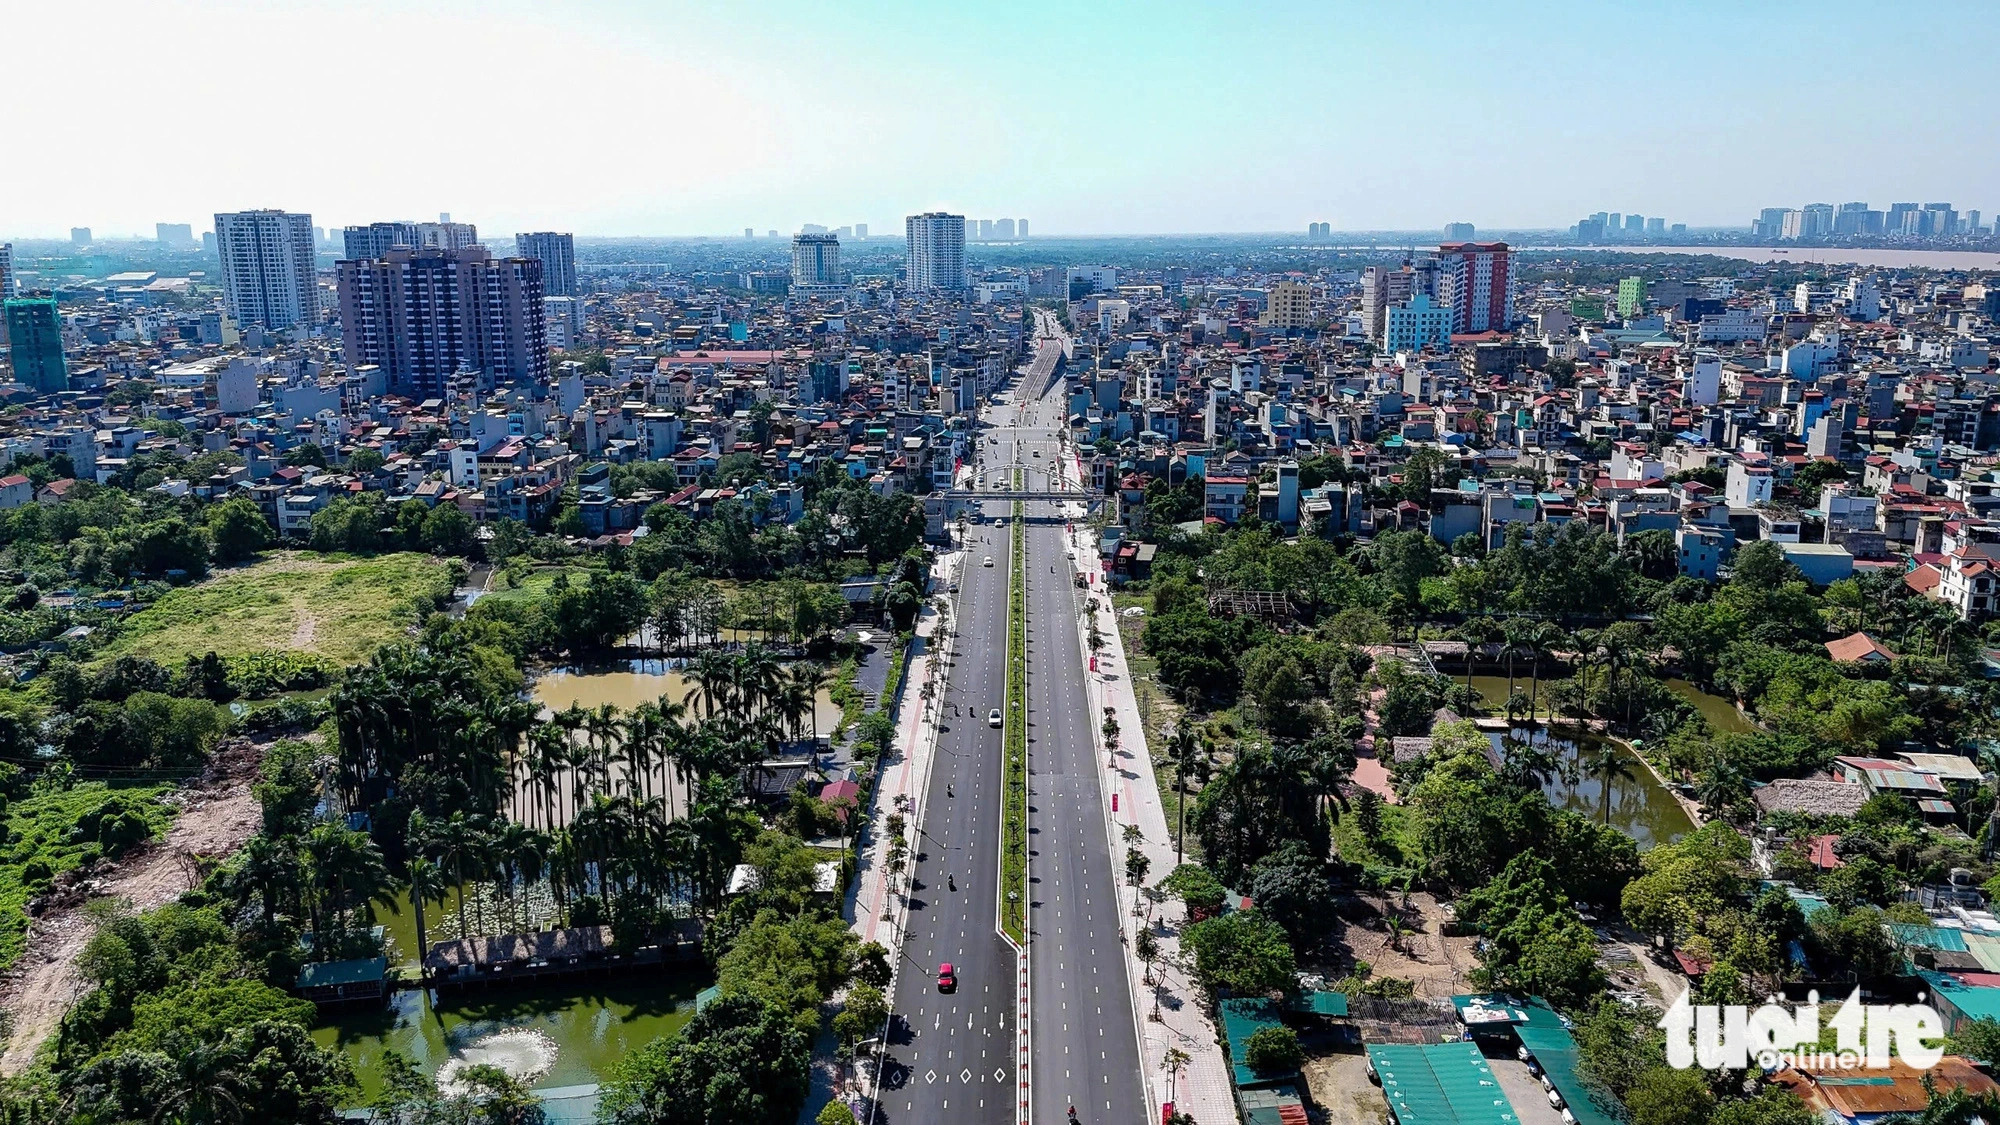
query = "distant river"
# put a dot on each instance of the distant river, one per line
(1815, 255)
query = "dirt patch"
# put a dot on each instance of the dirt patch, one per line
(1340, 1087)
(307, 630)
(218, 813)
(1421, 953)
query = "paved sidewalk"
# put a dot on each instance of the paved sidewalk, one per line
(1170, 1009)
(872, 909)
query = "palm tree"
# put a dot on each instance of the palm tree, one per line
(639, 734)
(815, 677)
(1514, 635)
(1543, 638)
(794, 703)
(1526, 764)
(1721, 785)
(1608, 764)
(601, 730)
(268, 868)
(712, 681)
(548, 752)
(509, 847)
(426, 885)
(343, 867)
(1475, 632)
(206, 1088)
(1185, 747)
(458, 846)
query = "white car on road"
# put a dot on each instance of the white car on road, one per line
(993, 717)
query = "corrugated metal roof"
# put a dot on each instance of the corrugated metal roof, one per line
(1242, 1018)
(325, 974)
(1928, 937)
(1441, 1084)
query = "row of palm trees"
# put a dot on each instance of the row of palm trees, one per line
(1617, 652)
(743, 705)
(616, 847)
(689, 613)
(603, 802)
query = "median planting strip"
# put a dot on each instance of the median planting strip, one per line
(1014, 747)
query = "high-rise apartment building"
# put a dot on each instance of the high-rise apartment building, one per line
(1458, 232)
(815, 261)
(986, 230)
(1384, 288)
(1655, 227)
(34, 330)
(934, 252)
(1020, 228)
(557, 253)
(427, 315)
(1290, 306)
(1003, 229)
(377, 239)
(1631, 296)
(174, 234)
(556, 250)
(861, 231)
(1475, 280)
(79, 236)
(6, 283)
(267, 267)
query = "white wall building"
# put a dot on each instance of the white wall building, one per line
(1747, 486)
(1702, 383)
(815, 261)
(934, 252)
(267, 267)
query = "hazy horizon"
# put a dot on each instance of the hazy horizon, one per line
(1174, 119)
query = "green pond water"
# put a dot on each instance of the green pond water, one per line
(593, 1023)
(1722, 715)
(1638, 805)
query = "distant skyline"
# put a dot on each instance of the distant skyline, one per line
(660, 119)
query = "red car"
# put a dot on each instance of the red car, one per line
(947, 980)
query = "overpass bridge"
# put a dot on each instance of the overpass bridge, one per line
(1069, 496)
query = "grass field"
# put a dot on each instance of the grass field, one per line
(338, 606)
(536, 583)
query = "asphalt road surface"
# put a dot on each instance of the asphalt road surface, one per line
(950, 1056)
(1084, 1040)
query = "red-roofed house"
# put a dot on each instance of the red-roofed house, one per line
(1859, 648)
(15, 491)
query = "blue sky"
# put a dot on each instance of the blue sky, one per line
(1102, 117)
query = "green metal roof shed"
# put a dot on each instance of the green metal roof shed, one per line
(1242, 1018)
(1440, 1084)
(1556, 1051)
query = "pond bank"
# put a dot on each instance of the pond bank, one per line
(580, 1032)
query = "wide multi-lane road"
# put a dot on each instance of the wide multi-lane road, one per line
(1084, 1040)
(952, 1056)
